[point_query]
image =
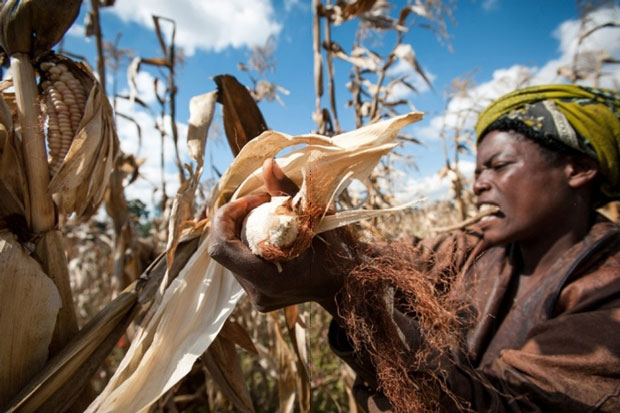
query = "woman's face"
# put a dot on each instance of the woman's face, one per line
(531, 193)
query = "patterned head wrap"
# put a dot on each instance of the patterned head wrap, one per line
(582, 118)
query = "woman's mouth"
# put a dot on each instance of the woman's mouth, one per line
(488, 213)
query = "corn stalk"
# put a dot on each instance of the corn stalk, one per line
(41, 216)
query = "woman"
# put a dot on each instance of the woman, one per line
(540, 276)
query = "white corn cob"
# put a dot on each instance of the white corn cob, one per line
(273, 223)
(65, 100)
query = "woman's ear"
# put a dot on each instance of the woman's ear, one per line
(581, 170)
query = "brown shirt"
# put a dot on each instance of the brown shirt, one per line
(554, 349)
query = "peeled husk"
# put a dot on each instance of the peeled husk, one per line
(198, 301)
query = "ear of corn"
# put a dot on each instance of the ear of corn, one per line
(28, 331)
(198, 301)
(81, 136)
(65, 101)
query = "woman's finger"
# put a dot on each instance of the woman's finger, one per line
(224, 244)
(276, 182)
(228, 219)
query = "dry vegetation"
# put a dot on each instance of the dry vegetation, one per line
(119, 261)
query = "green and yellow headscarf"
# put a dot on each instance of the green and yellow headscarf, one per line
(583, 118)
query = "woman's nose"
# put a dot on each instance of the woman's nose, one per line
(480, 185)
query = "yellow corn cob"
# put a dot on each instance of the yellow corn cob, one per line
(65, 100)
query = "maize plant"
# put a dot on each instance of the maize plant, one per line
(37, 189)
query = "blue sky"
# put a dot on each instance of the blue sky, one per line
(500, 42)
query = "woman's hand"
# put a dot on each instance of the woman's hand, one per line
(313, 276)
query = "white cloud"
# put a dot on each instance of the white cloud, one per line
(207, 24)
(505, 80)
(433, 187)
(291, 4)
(490, 5)
(603, 41)
(403, 68)
(145, 87)
(463, 109)
(78, 30)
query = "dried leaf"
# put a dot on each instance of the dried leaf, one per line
(342, 218)
(50, 253)
(29, 303)
(361, 57)
(406, 53)
(177, 331)
(297, 333)
(223, 363)
(234, 332)
(381, 22)
(291, 313)
(165, 50)
(12, 175)
(60, 381)
(6, 114)
(344, 11)
(286, 370)
(132, 74)
(243, 119)
(201, 110)
(155, 61)
(418, 8)
(356, 8)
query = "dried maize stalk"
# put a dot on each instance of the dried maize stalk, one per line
(81, 136)
(199, 300)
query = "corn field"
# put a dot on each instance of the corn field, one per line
(107, 308)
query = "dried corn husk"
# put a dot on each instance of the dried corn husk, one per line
(80, 179)
(56, 386)
(29, 304)
(12, 174)
(197, 302)
(35, 26)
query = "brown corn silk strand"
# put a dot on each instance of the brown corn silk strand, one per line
(307, 222)
(413, 380)
(309, 212)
